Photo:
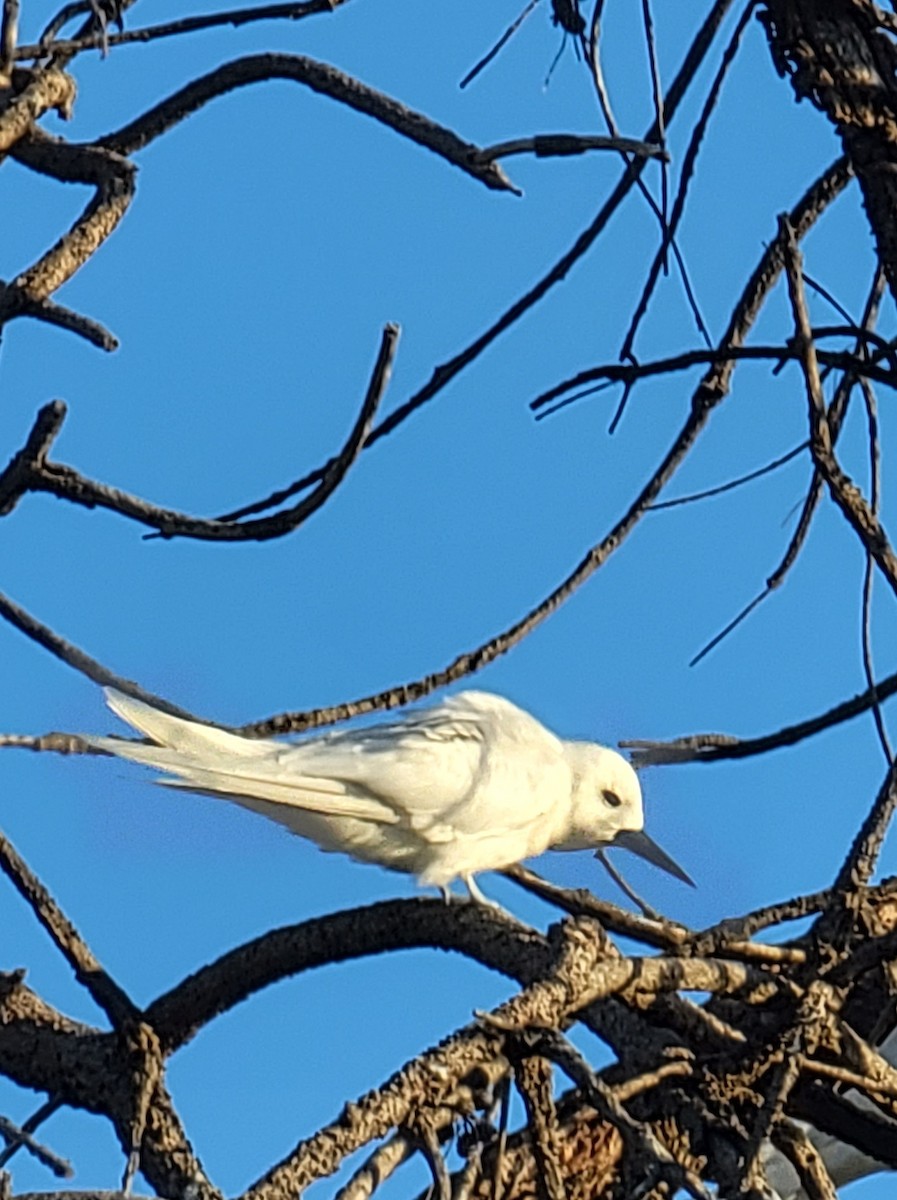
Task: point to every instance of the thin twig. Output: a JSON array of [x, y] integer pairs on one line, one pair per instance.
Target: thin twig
[[547, 403], [265, 528], [554, 145], [649, 913], [54, 743], [721, 488], [658, 932], [150, 33], [686, 174], [869, 569], [591, 53], [499, 45], [837, 412], [37, 1118], [717, 747], [844, 492], [18, 1137], [659, 118]]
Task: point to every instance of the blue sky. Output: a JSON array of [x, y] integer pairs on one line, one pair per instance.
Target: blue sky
[[271, 238]]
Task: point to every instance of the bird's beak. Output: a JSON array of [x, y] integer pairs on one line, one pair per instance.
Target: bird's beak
[[638, 842]]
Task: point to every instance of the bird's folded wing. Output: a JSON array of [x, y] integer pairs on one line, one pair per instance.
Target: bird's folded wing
[[412, 772], [254, 778], [205, 758], [419, 771], [311, 795]]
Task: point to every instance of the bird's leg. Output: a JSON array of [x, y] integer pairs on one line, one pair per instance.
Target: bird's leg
[[473, 891], [449, 897], [477, 895]]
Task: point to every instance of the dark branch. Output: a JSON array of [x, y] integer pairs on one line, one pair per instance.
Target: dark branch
[[321, 78], [150, 33]]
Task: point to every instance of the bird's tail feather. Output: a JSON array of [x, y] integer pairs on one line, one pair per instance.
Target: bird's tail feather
[[186, 737], [207, 759]]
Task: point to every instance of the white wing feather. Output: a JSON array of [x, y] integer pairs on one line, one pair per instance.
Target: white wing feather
[[215, 761]]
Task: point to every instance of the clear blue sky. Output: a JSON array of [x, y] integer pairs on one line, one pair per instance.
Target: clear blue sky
[[272, 236]]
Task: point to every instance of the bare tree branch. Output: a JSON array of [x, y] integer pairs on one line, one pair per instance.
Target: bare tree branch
[[322, 78], [235, 17]]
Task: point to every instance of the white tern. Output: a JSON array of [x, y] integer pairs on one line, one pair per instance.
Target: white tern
[[471, 784]]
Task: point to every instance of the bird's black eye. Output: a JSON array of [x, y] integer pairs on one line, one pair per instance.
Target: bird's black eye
[[611, 798]]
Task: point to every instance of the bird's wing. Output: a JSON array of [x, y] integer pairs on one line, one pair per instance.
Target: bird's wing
[[420, 767], [474, 765], [207, 759]]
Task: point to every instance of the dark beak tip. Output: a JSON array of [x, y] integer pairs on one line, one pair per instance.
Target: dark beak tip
[[638, 842]]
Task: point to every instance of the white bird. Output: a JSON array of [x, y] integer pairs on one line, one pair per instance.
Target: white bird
[[472, 784]]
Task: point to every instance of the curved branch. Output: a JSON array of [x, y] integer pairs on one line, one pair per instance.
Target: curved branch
[[860, 515], [490, 937], [836, 414], [113, 179], [30, 471], [322, 78], [337, 468], [111, 176]]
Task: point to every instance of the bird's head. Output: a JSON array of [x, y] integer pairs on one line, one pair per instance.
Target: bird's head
[[606, 807]]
